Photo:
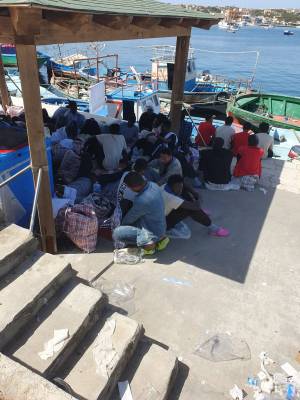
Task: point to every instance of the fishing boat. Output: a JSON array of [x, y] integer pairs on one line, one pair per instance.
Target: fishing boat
[[223, 25], [233, 28], [288, 33], [17, 196], [198, 88], [9, 57], [277, 110]]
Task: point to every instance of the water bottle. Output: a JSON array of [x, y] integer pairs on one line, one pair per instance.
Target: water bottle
[[97, 187]]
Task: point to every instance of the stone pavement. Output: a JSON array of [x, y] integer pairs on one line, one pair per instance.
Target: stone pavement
[[245, 285]]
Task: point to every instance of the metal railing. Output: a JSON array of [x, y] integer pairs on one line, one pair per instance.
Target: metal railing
[[36, 191]]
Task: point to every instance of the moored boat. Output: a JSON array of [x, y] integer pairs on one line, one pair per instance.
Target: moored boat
[[9, 57], [288, 33], [277, 110]]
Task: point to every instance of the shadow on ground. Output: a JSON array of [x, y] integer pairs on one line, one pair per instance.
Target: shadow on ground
[[244, 214]]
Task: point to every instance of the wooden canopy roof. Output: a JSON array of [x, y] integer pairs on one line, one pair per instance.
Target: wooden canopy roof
[[43, 22]]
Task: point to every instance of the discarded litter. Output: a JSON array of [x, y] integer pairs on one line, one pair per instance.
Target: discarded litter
[[180, 231], [120, 294], [104, 353], [223, 347], [124, 391], [55, 344], [273, 385], [177, 282], [117, 291], [263, 190], [129, 256], [236, 393]]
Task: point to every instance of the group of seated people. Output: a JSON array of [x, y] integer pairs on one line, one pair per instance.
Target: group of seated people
[[220, 146], [150, 172], [151, 168]]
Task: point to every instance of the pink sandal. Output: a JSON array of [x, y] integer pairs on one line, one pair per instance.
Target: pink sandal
[[221, 232]]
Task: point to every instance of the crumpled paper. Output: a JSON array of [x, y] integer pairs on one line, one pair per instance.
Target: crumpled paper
[[104, 353], [55, 344]]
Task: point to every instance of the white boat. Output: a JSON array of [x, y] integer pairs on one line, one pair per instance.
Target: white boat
[[223, 25], [233, 28]]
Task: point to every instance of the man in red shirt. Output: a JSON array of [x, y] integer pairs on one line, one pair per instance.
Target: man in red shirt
[[248, 167], [241, 139], [206, 132]]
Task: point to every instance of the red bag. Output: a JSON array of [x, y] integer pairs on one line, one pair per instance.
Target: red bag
[[81, 226]]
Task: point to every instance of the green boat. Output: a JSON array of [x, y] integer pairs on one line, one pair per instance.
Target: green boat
[[9, 57], [277, 110]]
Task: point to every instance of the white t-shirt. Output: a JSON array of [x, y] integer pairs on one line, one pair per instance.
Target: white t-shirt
[[113, 146], [225, 132], [172, 202], [265, 142]]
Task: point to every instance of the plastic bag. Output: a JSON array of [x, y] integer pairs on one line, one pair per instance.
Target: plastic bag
[[129, 256], [120, 294], [180, 231], [223, 347]]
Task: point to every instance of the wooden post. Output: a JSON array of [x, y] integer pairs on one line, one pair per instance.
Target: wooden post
[[4, 93], [29, 73], [181, 58]]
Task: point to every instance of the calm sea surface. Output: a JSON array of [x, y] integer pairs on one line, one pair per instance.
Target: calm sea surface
[[278, 69]]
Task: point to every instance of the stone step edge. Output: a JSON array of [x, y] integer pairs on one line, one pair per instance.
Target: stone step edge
[[20, 383], [31, 309]]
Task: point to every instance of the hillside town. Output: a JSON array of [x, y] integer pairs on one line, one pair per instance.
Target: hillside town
[[252, 17]]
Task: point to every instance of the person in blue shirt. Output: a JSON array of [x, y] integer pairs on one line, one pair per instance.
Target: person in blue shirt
[[69, 114], [144, 225], [130, 131]]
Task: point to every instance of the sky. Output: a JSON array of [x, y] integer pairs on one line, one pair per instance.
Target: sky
[[244, 3]]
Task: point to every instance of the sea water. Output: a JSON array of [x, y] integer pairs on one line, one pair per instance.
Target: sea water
[[277, 70]]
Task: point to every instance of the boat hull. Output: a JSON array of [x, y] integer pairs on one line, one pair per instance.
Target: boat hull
[[10, 60], [277, 110]]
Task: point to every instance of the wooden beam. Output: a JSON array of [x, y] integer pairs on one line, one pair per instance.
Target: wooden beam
[[190, 22], [52, 33], [206, 24], [7, 34], [145, 22], [4, 93], [29, 74], [26, 21], [70, 21], [112, 21], [170, 22], [181, 58]]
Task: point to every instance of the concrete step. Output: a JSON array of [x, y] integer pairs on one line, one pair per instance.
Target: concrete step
[[94, 373], [77, 311], [19, 383], [25, 296], [151, 373], [16, 244]]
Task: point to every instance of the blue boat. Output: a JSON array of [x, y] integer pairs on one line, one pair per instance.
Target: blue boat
[[9, 56], [205, 89], [17, 196], [288, 33], [63, 102]]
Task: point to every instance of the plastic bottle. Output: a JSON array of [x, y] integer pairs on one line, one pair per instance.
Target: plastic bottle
[[97, 187]]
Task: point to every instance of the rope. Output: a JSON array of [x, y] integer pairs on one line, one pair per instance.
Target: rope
[[227, 52], [237, 52]]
